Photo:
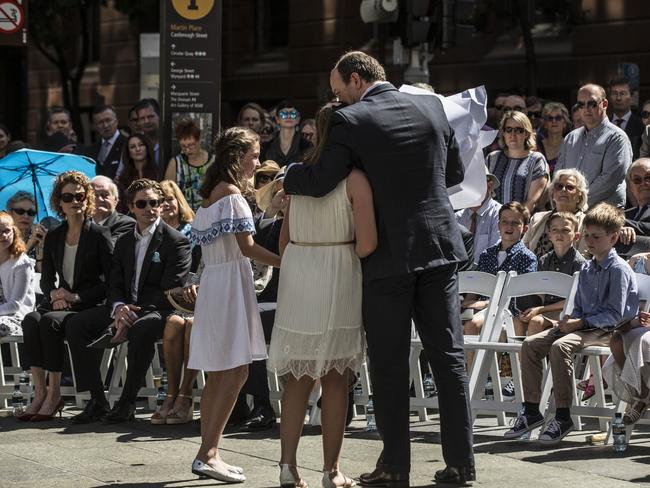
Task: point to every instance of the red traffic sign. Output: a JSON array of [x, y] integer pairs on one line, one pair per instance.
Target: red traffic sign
[[12, 17]]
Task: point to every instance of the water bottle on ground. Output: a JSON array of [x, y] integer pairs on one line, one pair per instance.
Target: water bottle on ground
[[489, 389], [371, 425], [618, 434], [17, 401], [429, 386], [26, 387]]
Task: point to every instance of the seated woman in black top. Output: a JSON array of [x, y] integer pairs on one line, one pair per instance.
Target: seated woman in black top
[[78, 252]]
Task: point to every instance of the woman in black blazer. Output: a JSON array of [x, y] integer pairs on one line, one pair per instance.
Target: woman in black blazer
[[78, 253]]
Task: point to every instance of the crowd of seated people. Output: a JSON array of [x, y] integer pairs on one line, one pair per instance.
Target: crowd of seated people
[[554, 202]]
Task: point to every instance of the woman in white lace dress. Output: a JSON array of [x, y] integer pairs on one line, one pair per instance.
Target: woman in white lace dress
[[318, 332], [227, 332]]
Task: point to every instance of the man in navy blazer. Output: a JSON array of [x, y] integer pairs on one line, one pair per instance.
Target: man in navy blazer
[[407, 149]]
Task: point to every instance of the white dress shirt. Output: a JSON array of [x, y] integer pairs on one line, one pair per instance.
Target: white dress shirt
[[141, 244]]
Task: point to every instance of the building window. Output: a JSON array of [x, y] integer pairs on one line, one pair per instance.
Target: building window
[[271, 25]]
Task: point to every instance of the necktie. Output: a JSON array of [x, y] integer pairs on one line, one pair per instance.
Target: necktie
[[103, 152], [619, 122], [472, 224]]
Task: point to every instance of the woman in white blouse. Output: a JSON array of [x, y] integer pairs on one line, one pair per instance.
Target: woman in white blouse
[[16, 278]]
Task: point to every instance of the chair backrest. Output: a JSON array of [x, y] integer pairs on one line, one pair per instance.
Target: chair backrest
[[484, 284], [643, 284], [537, 283]]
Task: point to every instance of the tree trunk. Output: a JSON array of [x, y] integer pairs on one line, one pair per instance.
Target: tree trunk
[[529, 46]]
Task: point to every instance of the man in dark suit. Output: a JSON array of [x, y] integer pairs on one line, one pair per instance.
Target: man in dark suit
[[107, 151], [146, 262], [106, 198], [408, 151], [635, 235], [620, 97]]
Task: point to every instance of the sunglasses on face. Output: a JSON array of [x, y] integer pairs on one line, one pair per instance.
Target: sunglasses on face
[[288, 114], [591, 104], [143, 203], [69, 197], [516, 130], [645, 114], [640, 181], [22, 211], [553, 118], [560, 187]]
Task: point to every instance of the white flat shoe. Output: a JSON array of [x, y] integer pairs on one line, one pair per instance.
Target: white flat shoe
[[200, 468]]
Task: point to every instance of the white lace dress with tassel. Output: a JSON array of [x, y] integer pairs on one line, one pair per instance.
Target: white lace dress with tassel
[[318, 323]]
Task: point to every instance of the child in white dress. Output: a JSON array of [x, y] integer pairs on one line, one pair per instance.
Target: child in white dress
[[227, 333]]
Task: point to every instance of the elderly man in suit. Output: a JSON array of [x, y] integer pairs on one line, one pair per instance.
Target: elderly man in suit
[[408, 151], [106, 198], [146, 261], [635, 236], [107, 151]]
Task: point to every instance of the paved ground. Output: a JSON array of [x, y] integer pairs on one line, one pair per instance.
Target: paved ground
[[141, 455]]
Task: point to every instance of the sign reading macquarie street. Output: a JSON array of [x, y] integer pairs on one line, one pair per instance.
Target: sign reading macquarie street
[[190, 68]]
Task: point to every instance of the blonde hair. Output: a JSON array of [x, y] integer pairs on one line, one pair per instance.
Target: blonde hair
[[185, 213], [18, 246], [73, 178], [523, 120]]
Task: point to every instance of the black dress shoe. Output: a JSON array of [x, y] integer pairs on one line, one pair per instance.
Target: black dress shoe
[[93, 412], [261, 418], [123, 411], [381, 478], [461, 476]]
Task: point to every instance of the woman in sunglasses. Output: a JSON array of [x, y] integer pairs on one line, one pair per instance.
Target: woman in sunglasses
[[22, 208], [77, 254], [137, 162], [287, 146], [522, 171], [555, 125], [568, 192]]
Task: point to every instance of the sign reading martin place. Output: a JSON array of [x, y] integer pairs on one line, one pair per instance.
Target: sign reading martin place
[[190, 69]]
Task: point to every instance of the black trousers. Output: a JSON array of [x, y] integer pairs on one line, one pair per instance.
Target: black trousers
[[431, 298], [257, 383], [43, 335], [142, 336]]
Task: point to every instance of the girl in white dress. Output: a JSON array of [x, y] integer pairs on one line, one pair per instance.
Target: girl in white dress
[[227, 333], [318, 331]]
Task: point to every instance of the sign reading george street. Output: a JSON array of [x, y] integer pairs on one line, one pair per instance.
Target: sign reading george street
[[190, 68], [13, 30]]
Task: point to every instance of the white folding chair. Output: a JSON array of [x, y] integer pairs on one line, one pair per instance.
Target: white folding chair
[[537, 283]]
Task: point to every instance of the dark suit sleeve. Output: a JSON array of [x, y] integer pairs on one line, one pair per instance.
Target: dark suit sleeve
[[177, 263], [334, 165], [641, 227], [102, 239], [48, 270], [122, 225], [455, 172], [468, 242], [116, 289]]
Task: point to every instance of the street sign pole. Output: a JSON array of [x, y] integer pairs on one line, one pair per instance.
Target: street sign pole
[[190, 69]]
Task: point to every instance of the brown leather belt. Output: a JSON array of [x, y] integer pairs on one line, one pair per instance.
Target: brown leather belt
[[320, 244]]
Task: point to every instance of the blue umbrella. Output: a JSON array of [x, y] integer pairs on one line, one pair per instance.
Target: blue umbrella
[[34, 171]]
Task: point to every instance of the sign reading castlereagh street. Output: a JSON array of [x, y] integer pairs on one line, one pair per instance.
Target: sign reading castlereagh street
[[190, 70]]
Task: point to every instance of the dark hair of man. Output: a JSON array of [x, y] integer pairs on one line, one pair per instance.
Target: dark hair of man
[[187, 128], [58, 110], [130, 172], [620, 81], [147, 102], [143, 184], [517, 208], [367, 67], [98, 109], [230, 147]]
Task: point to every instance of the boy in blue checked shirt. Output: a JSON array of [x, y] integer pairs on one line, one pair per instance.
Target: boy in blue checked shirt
[[607, 292], [509, 254]]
